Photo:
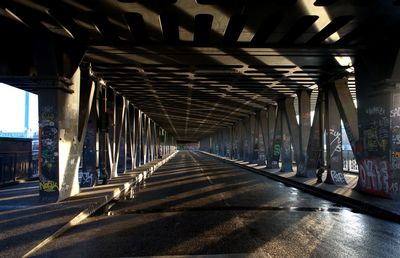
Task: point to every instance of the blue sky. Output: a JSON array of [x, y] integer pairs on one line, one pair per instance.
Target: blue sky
[[12, 108]]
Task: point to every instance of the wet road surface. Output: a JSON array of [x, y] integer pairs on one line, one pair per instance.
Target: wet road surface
[[198, 205]]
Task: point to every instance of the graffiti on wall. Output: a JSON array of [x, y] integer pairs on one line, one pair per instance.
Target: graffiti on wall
[[277, 150], [48, 150], [395, 145], [47, 185], [380, 111], [395, 112], [379, 152], [338, 178], [374, 176], [336, 142], [86, 179], [376, 132]]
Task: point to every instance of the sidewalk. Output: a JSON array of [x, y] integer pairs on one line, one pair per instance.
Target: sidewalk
[[26, 224], [344, 195]]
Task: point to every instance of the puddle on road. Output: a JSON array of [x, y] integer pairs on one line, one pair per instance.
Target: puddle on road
[[228, 208]]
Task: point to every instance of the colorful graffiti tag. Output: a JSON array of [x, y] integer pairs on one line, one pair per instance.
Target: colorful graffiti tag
[[48, 186], [374, 176], [48, 152]]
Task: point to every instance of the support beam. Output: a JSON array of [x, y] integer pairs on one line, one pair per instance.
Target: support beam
[[277, 142], [333, 129], [347, 110], [293, 127], [253, 139], [303, 97], [272, 118], [307, 168], [88, 175], [264, 135], [103, 131], [286, 148]]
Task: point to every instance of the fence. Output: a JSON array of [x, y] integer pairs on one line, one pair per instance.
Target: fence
[[17, 165]]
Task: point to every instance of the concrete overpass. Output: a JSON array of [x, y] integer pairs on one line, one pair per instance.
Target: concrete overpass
[[134, 77]]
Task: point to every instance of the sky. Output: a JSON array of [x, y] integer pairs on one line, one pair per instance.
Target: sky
[[12, 109]]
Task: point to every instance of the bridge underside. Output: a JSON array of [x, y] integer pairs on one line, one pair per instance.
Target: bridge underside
[[231, 74]]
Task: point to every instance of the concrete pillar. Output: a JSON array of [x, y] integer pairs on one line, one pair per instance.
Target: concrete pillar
[[286, 147], [277, 140], [272, 118], [248, 148], [253, 139], [241, 140], [264, 135], [231, 140], [303, 97], [334, 160], [378, 149], [59, 150], [307, 168], [293, 127]]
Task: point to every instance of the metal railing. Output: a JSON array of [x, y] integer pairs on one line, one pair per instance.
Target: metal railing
[[18, 165]]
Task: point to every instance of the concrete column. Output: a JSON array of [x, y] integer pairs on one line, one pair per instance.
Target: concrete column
[[378, 149], [277, 140], [293, 127], [303, 97], [231, 140], [247, 139], [272, 118], [286, 147], [241, 140], [257, 140], [59, 148], [307, 168], [253, 139], [334, 160], [264, 135]]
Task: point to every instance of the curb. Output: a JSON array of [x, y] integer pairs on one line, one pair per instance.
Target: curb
[[93, 207], [356, 205]]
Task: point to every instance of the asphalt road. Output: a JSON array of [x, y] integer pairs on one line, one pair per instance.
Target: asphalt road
[[198, 205]]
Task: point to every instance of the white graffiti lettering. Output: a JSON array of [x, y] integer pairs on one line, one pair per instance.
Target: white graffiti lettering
[[336, 142], [86, 178], [395, 112], [338, 178]]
